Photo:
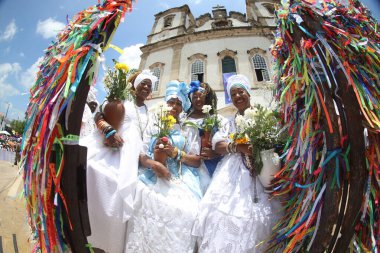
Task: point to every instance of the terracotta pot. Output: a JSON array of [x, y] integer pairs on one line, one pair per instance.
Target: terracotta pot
[[271, 165], [206, 140], [160, 156], [114, 113]]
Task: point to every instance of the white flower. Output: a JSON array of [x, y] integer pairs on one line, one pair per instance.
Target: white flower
[[206, 108], [166, 108], [250, 113], [240, 122], [250, 122]]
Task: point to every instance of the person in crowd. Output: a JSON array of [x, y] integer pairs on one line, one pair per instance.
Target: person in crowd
[[112, 169], [235, 215], [167, 194], [202, 94]]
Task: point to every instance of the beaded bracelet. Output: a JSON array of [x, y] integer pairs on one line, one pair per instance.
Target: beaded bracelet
[[231, 148], [183, 153], [109, 134], [179, 156], [174, 154]]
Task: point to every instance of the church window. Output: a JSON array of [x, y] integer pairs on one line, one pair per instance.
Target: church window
[[261, 69], [228, 65], [156, 72], [269, 7], [197, 71], [168, 21]]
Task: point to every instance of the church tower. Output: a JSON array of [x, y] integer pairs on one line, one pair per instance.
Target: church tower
[[261, 12]]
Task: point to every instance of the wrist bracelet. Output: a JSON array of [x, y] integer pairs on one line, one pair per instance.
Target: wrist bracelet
[[179, 156], [174, 154], [183, 153], [234, 146], [110, 133]]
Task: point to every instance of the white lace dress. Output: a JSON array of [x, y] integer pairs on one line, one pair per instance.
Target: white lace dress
[[165, 209], [112, 175], [228, 219]]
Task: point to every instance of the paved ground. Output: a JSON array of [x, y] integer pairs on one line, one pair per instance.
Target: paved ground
[[14, 230]]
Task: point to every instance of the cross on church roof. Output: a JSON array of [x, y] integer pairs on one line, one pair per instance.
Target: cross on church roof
[[218, 7]]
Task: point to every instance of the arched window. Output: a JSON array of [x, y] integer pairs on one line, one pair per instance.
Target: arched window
[[269, 7], [228, 65], [260, 68], [197, 71], [156, 72], [168, 21]]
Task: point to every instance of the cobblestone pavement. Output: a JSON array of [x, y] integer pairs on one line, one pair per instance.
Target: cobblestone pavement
[[14, 229]]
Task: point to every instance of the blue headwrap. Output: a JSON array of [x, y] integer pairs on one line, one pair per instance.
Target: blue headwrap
[[195, 86], [175, 89]]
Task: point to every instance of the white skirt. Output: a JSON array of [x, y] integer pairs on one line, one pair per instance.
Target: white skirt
[[111, 185], [229, 220], [163, 218]]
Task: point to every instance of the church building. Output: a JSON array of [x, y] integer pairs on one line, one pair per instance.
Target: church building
[[212, 47]]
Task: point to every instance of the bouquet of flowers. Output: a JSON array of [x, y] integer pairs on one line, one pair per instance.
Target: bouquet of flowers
[[258, 127], [164, 122], [115, 82], [210, 125]]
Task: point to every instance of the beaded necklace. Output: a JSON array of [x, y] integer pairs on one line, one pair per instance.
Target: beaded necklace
[[139, 120]]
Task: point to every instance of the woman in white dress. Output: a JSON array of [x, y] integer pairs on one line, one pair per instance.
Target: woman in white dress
[[202, 94], [235, 215], [112, 169], [167, 197]]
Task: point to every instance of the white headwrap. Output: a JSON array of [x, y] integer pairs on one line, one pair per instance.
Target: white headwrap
[[145, 74], [91, 97], [240, 81]]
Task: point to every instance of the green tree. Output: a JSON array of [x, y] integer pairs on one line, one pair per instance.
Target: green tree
[[18, 126]]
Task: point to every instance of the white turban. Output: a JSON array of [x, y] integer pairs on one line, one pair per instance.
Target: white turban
[[91, 97], [238, 81], [145, 74]]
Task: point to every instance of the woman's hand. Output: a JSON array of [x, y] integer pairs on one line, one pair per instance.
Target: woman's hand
[[161, 170], [170, 150], [114, 141], [244, 148], [208, 154], [166, 147]]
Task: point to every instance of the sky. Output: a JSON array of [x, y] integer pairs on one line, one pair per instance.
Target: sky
[[27, 28]]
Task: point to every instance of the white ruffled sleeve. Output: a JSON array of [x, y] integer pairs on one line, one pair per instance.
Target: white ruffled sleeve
[[227, 127]]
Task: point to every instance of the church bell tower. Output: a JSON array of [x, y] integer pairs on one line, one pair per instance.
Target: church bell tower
[[261, 12]]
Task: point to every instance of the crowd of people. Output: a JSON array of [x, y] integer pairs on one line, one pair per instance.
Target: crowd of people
[[10, 148], [200, 199]]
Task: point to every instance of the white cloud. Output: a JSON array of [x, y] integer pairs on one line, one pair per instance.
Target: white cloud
[[10, 31], [49, 28], [131, 56], [28, 77], [7, 69]]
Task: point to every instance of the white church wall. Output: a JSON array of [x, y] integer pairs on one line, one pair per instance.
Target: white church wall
[[164, 56], [161, 33], [213, 65], [187, 21], [205, 27], [238, 23]]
